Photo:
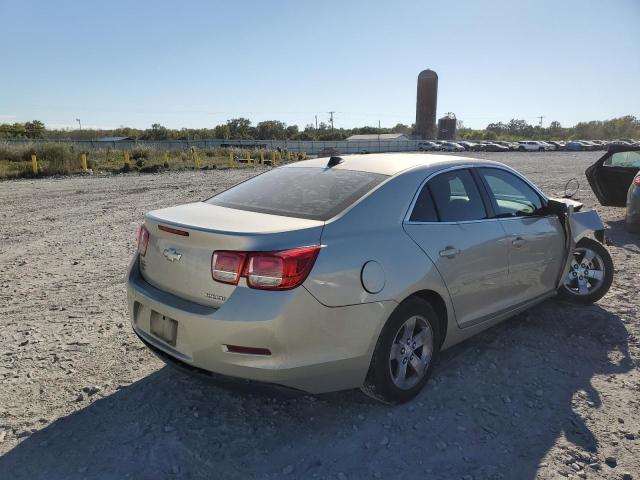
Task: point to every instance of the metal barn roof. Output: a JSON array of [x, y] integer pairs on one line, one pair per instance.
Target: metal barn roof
[[382, 136]]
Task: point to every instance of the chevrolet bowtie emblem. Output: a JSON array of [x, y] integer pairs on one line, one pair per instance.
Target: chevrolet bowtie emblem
[[171, 254]]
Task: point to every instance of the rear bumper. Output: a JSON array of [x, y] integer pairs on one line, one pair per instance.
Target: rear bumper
[[314, 348], [231, 383]]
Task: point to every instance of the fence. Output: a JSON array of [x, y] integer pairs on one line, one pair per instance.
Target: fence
[[309, 147]]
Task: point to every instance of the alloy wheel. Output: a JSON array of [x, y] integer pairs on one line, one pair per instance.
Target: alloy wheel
[[587, 272], [411, 352]]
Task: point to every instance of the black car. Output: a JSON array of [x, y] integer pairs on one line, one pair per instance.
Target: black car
[[614, 180], [495, 147]]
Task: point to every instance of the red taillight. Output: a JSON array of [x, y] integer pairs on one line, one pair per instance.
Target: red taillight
[[265, 270], [636, 181], [279, 270], [142, 240], [227, 266]]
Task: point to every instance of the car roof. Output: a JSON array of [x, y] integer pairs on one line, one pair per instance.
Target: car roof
[[393, 163]]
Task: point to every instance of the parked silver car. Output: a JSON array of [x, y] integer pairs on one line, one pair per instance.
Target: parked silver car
[[337, 273]]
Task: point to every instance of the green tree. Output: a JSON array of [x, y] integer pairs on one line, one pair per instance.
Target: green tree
[[239, 128], [222, 131], [156, 132], [519, 128], [292, 130], [305, 135], [401, 128], [271, 130], [489, 135], [499, 128], [34, 129]]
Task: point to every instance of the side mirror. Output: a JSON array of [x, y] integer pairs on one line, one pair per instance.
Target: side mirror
[[559, 208]]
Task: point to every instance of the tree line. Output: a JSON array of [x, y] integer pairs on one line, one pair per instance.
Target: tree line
[[242, 128]]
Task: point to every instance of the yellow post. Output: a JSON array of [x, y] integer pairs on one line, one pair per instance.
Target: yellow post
[[289, 154], [278, 157], [83, 162], [231, 162], [165, 159], [247, 155], [273, 157], [127, 162], [34, 164], [261, 157], [196, 159]]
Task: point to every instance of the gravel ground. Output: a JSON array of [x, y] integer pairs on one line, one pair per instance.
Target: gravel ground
[[551, 393]]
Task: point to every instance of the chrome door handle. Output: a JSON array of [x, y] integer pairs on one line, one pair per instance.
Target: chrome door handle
[[449, 252], [519, 242]]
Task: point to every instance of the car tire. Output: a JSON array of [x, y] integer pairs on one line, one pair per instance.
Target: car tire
[[541, 149], [384, 382], [600, 261], [521, 149]]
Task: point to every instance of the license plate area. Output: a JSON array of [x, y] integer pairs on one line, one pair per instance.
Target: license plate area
[[164, 328]]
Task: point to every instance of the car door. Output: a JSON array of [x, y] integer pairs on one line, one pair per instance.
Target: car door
[[450, 222], [536, 239], [611, 176]]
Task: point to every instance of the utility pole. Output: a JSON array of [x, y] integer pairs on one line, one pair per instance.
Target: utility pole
[[331, 119], [540, 117], [316, 123], [378, 136], [79, 124]]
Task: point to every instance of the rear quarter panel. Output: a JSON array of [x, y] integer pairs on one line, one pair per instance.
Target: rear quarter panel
[[372, 230]]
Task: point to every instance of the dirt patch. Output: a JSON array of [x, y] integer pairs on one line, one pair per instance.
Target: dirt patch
[[554, 392]]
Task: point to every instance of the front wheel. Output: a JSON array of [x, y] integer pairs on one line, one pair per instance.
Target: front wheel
[[590, 275], [404, 355]]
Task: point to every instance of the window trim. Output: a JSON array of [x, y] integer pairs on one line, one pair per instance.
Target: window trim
[[472, 167]]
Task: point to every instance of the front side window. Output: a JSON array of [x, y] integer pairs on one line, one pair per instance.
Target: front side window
[[302, 192], [624, 159], [456, 197], [510, 195]]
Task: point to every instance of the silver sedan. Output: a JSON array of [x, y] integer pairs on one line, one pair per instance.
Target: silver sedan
[[338, 273]]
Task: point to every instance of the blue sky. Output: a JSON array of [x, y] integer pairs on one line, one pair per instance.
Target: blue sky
[[198, 63]]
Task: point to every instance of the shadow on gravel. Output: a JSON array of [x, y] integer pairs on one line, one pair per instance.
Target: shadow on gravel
[[494, 407], [618, 236]]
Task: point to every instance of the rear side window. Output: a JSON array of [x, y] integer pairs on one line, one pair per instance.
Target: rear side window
[[424, 210], [456, 197], [301, 192]]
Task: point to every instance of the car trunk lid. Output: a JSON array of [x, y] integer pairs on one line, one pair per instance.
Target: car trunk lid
[[182, 240]]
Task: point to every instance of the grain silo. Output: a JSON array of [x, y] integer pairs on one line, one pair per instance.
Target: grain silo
[[447, 127], [426, 103]]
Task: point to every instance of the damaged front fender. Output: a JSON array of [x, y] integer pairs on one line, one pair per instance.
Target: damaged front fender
[[582, 223], [577, 225]]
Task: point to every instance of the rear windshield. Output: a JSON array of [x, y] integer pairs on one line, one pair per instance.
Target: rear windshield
[[302, 192]]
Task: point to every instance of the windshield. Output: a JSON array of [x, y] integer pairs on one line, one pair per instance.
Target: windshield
[[302, 192]]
